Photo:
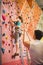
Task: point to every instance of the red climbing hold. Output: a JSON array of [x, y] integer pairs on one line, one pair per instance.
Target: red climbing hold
[[5, 25], [3, 42], [4, 17]]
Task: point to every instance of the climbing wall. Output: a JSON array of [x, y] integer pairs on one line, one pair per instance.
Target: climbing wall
[[14, 8]]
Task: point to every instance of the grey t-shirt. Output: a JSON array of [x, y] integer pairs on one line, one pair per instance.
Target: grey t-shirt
[[36, 52]]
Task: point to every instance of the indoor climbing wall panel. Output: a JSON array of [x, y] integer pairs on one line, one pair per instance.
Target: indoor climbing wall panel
[[31, 16], [14, 8]]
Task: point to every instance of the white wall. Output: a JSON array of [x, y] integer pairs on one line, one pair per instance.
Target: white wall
[[40, 2]]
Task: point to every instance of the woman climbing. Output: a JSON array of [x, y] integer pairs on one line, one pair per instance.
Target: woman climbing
[[17, 24]]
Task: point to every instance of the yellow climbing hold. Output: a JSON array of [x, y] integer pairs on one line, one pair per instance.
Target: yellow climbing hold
[[6, 14], [6, 37], [12, 0]]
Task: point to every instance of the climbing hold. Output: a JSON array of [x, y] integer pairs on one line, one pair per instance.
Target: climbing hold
[[9, 51], [12, 0], [20, 56], [3, 11], [3, 34], [28, 17], [17, 23], [6, 14], [3, 42], [41, 39], [11, 5], [11, 31], [13, 46], [3, 50], [6, 37], [6, 44], [9, 16], [3, 3], [11, 12], [12, 36], [5, 25], [8, 22], [3, 22], [3, 17], [9, 44]]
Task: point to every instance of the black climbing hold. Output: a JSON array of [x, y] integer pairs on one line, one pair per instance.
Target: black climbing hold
[[3, 22], [28, 17], [10, 16], [8, 44], [3, 3], [13, 45], [9, 51], [11, 12], [20, 56], [11, 31], [3, 34], [11, 5], [8, 13]]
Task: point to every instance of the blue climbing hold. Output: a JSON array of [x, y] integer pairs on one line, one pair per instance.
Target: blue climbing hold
[[3, 50], [3, 11], [3, 22], [17, 23]]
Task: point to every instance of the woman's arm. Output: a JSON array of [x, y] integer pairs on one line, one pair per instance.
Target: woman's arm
[[11, 22], [30, 41]]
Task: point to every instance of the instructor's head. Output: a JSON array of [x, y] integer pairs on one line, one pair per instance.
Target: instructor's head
[[38, 34]]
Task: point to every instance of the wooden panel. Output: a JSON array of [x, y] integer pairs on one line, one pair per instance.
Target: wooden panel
[[30, 2]]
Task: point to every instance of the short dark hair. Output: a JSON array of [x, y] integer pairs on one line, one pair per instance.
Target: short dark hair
[[38, 34], [20, 18]]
